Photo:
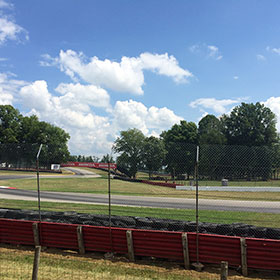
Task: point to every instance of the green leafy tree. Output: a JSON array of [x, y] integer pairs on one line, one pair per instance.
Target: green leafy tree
[[55, 149], [10, 120], [180, 143], [210, 131], [107, 158], [130, 146], [153, 154], [253, 128], [250, 125], [20, 138], [72, 158], [210, 137]]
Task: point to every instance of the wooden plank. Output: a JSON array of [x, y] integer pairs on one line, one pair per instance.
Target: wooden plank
[[186, 250], [130, 248], [36, 263], [224, 270], [36, 235], [80, 237], [243, 247]]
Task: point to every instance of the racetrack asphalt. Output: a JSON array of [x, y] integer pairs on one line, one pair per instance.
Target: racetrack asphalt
[[143, 201]]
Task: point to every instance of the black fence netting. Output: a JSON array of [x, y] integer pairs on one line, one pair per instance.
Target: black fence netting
[[20, 156], [239, 163], [238, 188]]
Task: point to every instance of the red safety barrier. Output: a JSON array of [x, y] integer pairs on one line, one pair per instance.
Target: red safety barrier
[[161, 244], [215, 248], [170, 185], [59, 235], [16, 232], [261, 253], [105, 240], [89, 164]]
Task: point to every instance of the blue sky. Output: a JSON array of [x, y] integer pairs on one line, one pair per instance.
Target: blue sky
[[95, 68]]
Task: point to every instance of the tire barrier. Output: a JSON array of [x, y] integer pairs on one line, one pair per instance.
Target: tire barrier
[[169, 185], [179, 246], [235, 229]]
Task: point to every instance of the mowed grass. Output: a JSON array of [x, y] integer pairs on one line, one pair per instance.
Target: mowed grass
[[17, 263], [33, 173], [225, 217], [118, 187]]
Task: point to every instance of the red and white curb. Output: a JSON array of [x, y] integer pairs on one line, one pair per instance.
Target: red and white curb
[[5, 187]]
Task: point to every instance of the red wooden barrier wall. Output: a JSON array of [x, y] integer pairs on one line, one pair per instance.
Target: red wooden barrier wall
[[261, 253]]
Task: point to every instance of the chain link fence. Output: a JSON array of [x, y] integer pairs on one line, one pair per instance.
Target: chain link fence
[[215, 189], [23, 157], [238, 189]]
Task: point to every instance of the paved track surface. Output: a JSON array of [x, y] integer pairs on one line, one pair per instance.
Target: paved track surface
[[235, 189], [77, 173], [82, 173], [11, 177], [158, 202]]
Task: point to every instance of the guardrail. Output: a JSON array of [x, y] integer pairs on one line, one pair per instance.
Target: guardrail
[[89, 164], [244, 252], [155, 183]]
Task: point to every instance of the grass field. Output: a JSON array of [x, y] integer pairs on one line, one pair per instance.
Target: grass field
[[100, 185], [118, 187], [226, 217], [33, 173], [17, 263]]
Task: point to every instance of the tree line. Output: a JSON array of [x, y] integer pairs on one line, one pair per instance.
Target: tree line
[[80, 158], [21, 136], [241, 145]]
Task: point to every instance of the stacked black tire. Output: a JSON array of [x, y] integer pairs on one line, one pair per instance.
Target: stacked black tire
[[235, 229]]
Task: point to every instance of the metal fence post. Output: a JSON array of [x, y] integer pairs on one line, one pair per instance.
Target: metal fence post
[[197, 265], [109, 208], [38, 181]]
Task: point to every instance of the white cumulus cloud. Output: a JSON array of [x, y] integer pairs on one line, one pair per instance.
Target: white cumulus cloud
[[133, 114], [37, 96], [166, 65], [9, 87], [73, 108], [83, 96], [9, 30], [214, 52], [261, 57], [124, 76], [88, 131], [218, 106], [5, 4], [209, 51], [273, 50], [274, 104]]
